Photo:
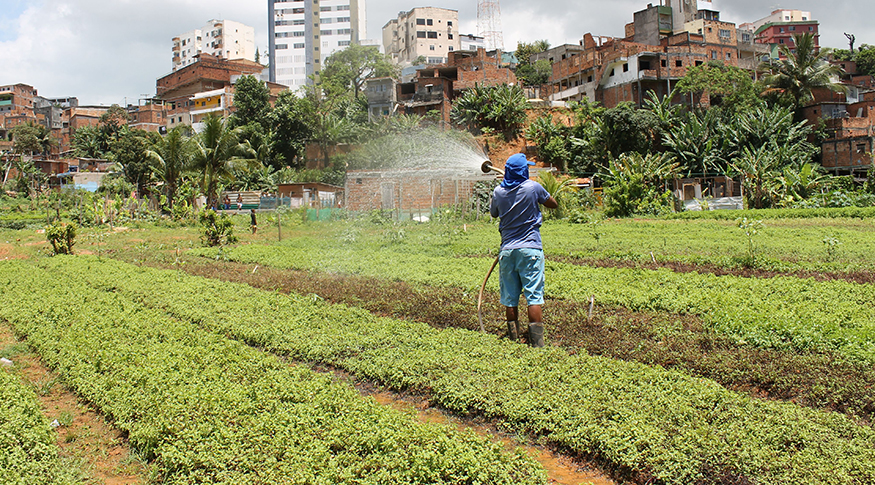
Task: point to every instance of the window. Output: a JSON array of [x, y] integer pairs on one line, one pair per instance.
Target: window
[[298, 46], [612, 72], [644, 66], [781, 29], [804, 18], [589, 79], [326, 32], [343, 43], [780, 41], [432, 35], [861, 148], [297, 10], [324, 9], [326, 20], [450, 48], [713, 54], [342, 7], [343, 31], [450, 36], [429, 22], [282, 46], [420, 35], [625, 67], [449, 23], [420, 21], [663, 63], [343, 19], [298, 34], [678, 63], [431, 47], [299, 22], [811, 29], [728, 56], [724, 33], [699, 63], [792, 28]]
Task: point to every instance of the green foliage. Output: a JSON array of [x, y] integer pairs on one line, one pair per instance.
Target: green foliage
[[562, 189], [801, 71], [501, 107], [128, 151], [206, 409], [525, 50], [552, 138], [729, 87], [750, 228], [28, 453], [217, 152], [291, 122], [115, 186], [218, 229], [655, 423], [169, 157], [62, 236], [534, 74], [32, 138], [635, 184], [346, 71], [865, 59], [251, 102]]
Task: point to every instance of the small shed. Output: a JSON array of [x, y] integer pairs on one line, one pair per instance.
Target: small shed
[[313, 194]]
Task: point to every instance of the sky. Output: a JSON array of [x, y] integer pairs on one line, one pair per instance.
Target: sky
[[112, 51]]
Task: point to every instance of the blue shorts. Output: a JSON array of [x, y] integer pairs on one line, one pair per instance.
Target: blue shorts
[[522, 271]]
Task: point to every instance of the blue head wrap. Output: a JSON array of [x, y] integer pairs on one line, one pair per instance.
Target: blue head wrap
[[516, 171]]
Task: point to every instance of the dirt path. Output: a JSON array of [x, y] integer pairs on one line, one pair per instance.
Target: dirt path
[[84, 435]]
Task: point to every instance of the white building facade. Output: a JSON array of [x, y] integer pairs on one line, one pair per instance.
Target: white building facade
[[429, 32], [304, 33], [225, 39]]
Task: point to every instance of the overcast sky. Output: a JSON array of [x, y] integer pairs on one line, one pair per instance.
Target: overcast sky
[[112, 51]]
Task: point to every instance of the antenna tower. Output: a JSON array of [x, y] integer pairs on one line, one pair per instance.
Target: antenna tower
[[489, 24]]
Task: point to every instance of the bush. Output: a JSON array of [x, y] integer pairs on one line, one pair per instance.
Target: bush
[[218, 230], [62, 236]]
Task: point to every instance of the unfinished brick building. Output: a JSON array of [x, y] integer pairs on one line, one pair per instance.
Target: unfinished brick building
[[435, 87], [653, 56]]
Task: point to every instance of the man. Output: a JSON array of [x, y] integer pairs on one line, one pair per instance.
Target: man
[[521, 260]]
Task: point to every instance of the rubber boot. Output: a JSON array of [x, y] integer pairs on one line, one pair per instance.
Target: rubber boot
[[536, 334], [513, 330]]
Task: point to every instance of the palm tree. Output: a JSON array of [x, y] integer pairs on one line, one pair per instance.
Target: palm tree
[[802, 71], [217, 153], [169, 157]]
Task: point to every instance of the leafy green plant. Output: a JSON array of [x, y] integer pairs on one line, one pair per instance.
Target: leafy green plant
[[831, 243], [750, 228], [218, 229], [62, 236]]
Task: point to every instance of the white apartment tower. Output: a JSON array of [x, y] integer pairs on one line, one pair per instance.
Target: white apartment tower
[[429, 32], [303, 33], [224, 39]]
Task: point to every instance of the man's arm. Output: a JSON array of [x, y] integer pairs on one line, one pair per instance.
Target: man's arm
[[493, 207], [550, 203]]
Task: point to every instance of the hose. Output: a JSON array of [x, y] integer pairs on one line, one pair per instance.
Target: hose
[[480, 298]]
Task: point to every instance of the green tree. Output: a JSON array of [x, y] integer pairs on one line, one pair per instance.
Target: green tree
[[345, 72], [865, 59], [169, 157], [128, 152], [31, 138], [800, 72], [726, 86], [217, 152], [291, 120], [636, 184], [525, 50], [251, 102]]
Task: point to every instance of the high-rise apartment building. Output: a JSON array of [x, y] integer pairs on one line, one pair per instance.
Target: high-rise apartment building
[[429, 32], [224, 39], [779, 28], [303, 33]]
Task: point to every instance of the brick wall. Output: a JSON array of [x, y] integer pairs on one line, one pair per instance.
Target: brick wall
[[856, 152], [407, 192]]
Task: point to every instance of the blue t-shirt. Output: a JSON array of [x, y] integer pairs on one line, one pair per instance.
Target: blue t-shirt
[[520, 214]]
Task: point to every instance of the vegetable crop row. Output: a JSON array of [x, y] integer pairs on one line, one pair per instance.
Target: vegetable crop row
[[652, 422], [211, 410], [824, 212], [28, 453], [782, 312]]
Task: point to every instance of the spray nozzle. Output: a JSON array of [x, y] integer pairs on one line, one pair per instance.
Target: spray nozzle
[[487, 167]]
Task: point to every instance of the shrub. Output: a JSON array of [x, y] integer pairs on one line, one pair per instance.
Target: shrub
[[218, 229], [62, 236]]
